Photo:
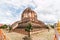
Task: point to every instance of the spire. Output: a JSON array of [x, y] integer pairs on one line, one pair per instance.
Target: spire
[[28, 8]]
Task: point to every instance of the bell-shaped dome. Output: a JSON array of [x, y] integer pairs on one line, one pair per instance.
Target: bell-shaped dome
[[29, 14]]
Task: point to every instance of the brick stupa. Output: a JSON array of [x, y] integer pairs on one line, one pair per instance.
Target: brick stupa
[[28, 15]]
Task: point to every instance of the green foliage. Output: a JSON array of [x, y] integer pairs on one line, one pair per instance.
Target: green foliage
[[28, 28], [52, 26], [10, 28], [4, 26]]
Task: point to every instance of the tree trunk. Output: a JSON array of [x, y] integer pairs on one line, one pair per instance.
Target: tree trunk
[[28, 34]]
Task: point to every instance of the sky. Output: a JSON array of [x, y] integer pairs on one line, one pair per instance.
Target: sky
[[48, 11]]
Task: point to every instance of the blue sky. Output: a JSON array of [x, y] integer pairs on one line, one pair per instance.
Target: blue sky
[[48, 11]]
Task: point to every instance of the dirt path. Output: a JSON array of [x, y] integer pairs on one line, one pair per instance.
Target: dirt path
[[45, 35]]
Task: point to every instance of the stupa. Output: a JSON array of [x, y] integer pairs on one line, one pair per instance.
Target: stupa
[[28, 15]]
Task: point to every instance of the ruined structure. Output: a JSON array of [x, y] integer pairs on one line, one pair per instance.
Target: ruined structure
[[28, 16]]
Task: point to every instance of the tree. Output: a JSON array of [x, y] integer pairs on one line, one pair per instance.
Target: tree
[[4, 26], [28, 29], [10, 28], [47, 27], [52, 26]]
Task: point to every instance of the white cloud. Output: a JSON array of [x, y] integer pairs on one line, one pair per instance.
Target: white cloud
[[47, 17], [47, 10]]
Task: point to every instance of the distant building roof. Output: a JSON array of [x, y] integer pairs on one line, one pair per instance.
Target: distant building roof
[[1, 25]]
